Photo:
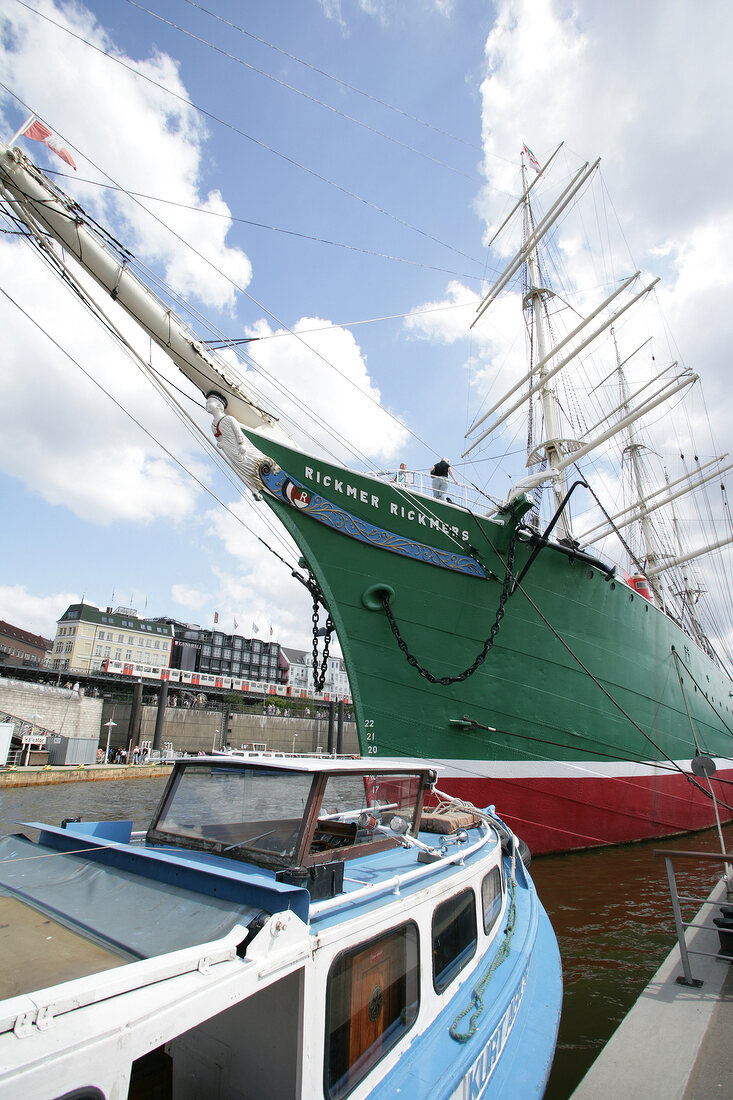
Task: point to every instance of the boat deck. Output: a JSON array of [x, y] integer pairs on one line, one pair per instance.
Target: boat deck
[[675, 1043]]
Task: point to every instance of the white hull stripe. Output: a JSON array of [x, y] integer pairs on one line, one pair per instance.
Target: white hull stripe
[[560, 769]]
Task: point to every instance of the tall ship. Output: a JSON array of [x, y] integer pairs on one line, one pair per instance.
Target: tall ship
[[546, 647]]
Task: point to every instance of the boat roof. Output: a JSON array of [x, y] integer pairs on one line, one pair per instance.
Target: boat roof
[[317, 764]]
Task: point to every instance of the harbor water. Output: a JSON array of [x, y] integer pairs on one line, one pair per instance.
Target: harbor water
[[610, 909]]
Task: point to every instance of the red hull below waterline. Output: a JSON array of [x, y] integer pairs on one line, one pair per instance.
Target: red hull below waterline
[[562, 814]]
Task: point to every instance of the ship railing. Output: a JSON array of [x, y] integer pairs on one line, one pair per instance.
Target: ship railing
[[704, 918], [421, 483]]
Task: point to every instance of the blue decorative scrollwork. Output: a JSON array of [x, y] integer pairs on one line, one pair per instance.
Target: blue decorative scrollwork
[[324, 511]]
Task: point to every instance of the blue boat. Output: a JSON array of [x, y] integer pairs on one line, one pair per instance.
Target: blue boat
[[305, 928]]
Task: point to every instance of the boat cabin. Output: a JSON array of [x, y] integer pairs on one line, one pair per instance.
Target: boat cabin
[[289, 927], [294, 816]]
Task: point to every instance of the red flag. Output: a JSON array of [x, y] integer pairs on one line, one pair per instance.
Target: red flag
[[216, 617], [532, 159], [38, 132]]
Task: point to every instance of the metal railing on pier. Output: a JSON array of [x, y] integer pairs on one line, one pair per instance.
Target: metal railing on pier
[[723, 925]]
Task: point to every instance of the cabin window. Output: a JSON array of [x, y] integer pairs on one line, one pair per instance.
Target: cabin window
[[358, 809], [454, 937], [372, 1000], [491, 898]]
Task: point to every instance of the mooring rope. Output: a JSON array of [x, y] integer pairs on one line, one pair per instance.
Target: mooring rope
[[476, 1005]]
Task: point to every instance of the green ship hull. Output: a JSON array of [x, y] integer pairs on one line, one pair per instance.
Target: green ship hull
[[576, 723]]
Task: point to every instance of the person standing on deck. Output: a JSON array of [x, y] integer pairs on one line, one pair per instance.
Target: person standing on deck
[[440, 473]]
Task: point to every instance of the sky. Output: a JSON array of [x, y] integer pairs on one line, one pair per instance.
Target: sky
[[333, 169]]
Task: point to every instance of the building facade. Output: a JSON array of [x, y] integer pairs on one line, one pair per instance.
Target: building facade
[[335, 684], [231, 655], [86, 636], [21, 649]]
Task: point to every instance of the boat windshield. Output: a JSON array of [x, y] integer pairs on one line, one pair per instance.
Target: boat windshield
[[261, 813], [235, 809]]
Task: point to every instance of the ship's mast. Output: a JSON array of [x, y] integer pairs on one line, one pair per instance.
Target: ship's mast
[[535, 301], [633, 449], [687, 595]]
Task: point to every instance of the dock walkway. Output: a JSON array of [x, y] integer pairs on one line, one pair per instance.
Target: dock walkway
[[79, 773], [675, 1044]]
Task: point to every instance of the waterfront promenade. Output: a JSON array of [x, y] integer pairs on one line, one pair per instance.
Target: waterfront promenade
[[41, 776]]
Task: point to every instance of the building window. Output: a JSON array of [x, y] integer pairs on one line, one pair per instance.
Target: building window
[[372, 1000], [491, 898], [68, 647], [454, 937], [98, 651], [118, 655]]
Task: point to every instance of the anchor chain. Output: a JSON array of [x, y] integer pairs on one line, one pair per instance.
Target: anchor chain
[[319, 674], [488, 644]]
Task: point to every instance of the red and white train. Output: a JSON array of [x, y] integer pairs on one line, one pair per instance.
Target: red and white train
[[205, 680]]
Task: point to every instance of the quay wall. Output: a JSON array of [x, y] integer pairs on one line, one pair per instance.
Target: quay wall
[[42, 776], [56, 709], [195, 730]]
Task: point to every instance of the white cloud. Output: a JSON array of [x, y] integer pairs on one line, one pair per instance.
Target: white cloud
[[257, 586], [319, 382], [192, 599], [28, 611], [382, 11], [63, 438], [648, 89], [144, 140]]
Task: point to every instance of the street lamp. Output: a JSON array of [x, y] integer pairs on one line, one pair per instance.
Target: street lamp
[[109, 726], [295, 737], [213, 743]]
